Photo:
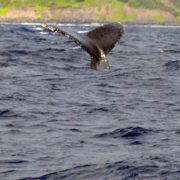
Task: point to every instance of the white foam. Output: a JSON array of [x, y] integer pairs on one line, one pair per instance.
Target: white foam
[[24, 23], [43, 33], [82, 32], [76, 47], [160, 50], [38, 28], [95, 24], [156, 26]]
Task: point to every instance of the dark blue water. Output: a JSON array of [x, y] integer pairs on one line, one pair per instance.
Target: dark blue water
[[61, 120]]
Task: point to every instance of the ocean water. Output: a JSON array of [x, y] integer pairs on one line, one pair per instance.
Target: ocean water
[[61, 120]]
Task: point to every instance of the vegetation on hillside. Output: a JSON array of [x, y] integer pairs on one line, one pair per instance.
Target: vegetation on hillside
[[102, 10], [152, 4]]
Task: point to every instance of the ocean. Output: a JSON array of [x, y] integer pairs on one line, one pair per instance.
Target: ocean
[[62, 120]]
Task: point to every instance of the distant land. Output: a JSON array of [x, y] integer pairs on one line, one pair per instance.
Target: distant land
[[127, 11]]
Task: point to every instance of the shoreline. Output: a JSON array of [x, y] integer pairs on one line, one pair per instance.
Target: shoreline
[[94, 23]]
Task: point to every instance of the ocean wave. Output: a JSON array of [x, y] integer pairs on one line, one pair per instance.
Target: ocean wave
[[7, 113], [58, 115], [172, 65], [117, 170], [129, 132]]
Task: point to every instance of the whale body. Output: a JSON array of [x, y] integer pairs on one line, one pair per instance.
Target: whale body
[[97, 42]]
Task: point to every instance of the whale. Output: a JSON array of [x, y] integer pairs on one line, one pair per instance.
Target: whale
[[97, 42]]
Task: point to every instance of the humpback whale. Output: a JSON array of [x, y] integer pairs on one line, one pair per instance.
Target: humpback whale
[[97, 42]]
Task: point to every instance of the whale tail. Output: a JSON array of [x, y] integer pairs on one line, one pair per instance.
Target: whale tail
[[98, 42]]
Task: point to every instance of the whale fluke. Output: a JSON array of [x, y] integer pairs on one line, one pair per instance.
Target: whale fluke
[[97, 42]]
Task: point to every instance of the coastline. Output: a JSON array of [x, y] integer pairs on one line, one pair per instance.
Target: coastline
[[96, 22], [142, 25]]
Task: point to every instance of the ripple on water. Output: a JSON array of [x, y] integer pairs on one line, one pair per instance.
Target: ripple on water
[[172, 65], [129, 133], [58, 115], [7, 113], [113, 171]]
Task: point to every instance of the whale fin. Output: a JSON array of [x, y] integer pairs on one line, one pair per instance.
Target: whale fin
[[80, 39], [97, 42], [106, 36]]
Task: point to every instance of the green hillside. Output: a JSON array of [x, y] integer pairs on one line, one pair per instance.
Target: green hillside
[[91, 10]]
